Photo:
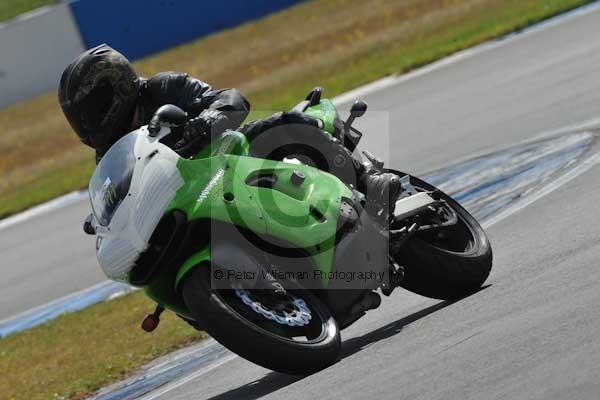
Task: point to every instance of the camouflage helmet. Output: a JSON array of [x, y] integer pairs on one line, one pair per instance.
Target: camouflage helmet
[[98, 92]]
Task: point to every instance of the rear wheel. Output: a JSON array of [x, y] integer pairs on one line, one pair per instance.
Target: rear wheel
[[293, 333], [447, 262]]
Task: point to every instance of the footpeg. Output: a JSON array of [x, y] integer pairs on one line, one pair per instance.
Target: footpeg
[[377, 163], [151, 321]]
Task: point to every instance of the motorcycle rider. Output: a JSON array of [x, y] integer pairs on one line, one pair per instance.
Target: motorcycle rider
[[103, 99]]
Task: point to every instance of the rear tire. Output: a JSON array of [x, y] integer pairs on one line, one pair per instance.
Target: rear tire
[[270, 350], [440, 273]]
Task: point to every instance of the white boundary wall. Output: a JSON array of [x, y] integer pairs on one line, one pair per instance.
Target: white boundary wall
[[34, 49]]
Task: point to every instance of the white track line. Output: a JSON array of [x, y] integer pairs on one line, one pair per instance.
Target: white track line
[[393, 80], [579, 169], [53, 302], [44, 208], [180, 382], [587, 125]]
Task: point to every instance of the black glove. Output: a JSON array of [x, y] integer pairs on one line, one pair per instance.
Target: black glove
[[198, 131], [167, 115]]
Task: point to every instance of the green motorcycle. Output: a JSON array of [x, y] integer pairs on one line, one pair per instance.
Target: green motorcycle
[[272, 257]]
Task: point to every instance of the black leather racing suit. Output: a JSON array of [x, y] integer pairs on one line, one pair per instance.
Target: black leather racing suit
[[190, 94]]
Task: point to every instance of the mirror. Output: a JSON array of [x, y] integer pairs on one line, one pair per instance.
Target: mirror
[[358, 109], [88, 227], [171, 115]]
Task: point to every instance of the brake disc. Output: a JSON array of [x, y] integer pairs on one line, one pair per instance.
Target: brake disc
[[299, 316]]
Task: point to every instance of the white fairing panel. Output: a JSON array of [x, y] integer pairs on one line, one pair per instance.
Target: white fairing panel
[[158, 185], [154, 184]]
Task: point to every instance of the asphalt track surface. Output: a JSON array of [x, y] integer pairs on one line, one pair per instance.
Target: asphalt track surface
[[531, 334], [46, 257]]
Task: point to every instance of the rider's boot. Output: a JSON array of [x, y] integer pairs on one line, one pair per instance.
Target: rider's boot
[[381, 191]]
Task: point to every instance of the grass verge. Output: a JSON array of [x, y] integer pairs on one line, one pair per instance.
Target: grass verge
[[11, 8], [77, 353], [338, 44]]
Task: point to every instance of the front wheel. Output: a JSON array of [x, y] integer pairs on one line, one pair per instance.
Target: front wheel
[[449, 262], [293, 333]]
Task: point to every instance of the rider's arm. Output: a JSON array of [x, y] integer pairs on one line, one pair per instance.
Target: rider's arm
[[211, 112], [194, 96]]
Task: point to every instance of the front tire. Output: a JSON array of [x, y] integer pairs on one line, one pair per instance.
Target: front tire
[[446, 270], [237, 327]]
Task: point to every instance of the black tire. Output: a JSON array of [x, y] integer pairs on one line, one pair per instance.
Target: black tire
[[441, 273], [251, 341]]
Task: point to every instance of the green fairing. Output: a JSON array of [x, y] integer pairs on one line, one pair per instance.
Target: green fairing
[[215, 189], [230, 142], [202, 256], [326, 112], [163, 292]]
